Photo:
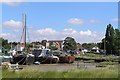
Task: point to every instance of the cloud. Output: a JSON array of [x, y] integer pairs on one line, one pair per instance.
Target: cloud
[[115, 19], [16, 30], [86, 33], [93, 21], [4, 34], [52, 34], [12, 23], [80, 36], [69, 32], [75, 21], [11, 2], [46, 32], [10, 36]]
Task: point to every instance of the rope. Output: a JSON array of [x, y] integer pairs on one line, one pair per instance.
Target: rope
[[28, 35], [24, 61], [22, 34], [20, 60]]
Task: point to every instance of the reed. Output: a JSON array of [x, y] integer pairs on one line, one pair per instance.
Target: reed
[[106, 72]]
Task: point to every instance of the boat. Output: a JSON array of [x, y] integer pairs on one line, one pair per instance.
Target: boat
[[67, 59], [19, 58], [50, 58], [64, 57], [44, 56], [19, 53], [5, 56]]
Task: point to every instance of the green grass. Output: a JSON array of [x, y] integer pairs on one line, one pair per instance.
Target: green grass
[[109, 63], [106, 72], [89, 61], [92, 56]]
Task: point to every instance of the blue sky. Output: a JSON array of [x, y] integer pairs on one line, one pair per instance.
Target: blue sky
[[84, 21]]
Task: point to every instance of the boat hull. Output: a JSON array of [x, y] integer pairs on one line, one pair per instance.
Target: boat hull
[[66, 59], [47, 60], [20, 59]]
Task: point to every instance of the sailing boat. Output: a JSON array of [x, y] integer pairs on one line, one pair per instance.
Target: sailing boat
[[19, 55]]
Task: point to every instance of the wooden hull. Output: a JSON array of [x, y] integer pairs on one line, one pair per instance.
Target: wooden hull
[[20, 59], [46, 60]]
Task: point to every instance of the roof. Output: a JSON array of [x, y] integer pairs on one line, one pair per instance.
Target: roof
[[95, 47]]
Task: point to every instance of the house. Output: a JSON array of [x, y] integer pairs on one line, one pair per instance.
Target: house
[[83, 50], [95, 49], [20, 46], [45, 44], [39, 45], [56, 43]]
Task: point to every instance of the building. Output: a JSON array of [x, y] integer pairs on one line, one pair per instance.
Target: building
[[20, 46], [95, 49], [39, 45], [57, 43], [45, 44]]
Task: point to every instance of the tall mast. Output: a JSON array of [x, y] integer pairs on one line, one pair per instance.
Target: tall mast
[[25, 31], [24, 28], [104, 44]]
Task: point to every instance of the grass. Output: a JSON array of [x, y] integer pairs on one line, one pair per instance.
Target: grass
[[92, 56], [106, 72], [109, 63], [89, 61]]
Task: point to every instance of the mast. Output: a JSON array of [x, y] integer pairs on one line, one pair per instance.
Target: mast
[[24, 29], [104, 44]]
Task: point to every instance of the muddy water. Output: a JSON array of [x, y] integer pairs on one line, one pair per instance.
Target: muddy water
[[50, 67]]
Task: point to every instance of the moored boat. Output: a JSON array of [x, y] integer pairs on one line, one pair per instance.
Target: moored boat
[[44, 56], [64, 57]]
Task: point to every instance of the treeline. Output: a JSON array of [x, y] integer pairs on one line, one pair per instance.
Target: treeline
[[7, 45], [4, 43]]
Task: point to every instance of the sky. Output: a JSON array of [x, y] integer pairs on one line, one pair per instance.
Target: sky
[[86, 22]]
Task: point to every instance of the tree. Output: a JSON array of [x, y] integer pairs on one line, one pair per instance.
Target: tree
[[109, 39], [79, 45], [89, 45], [112, 41], [102, 44], [44, 42], [5, 43], [12, 44], [69, 44], [117, 42], [28, 46]]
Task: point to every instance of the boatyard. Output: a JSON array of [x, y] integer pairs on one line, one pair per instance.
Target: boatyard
[[47, 40]]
